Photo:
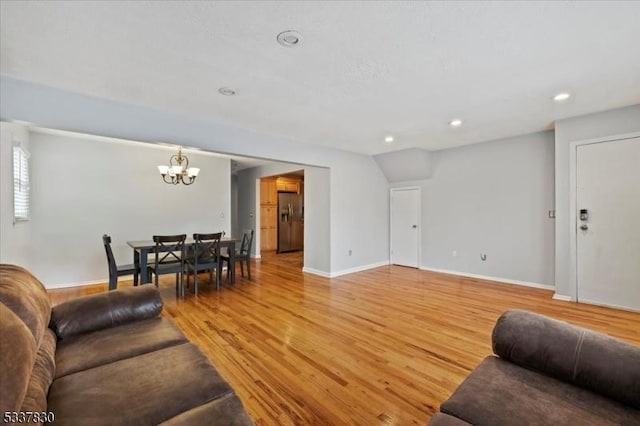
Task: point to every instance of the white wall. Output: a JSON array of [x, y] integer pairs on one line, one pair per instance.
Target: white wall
[[358, 190], [317, 252], [491, 198], [14, 237], [359, 214], [405, 165], [609, 123], [84, 187]]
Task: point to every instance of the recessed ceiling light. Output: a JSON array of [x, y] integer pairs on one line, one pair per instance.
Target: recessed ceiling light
[[289, 38], [561, 97], [226, 91], [388, 139], [455, 123]]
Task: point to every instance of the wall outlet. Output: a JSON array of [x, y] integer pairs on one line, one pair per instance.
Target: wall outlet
[[483, 257], [552, 214], [349, 252], [454, 253]]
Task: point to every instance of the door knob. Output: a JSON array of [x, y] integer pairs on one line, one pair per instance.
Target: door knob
[[414, 226], [584, 227]]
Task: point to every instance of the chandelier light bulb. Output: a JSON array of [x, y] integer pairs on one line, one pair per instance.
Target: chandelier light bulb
[[178, 170]]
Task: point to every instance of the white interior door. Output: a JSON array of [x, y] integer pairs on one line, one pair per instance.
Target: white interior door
[[608, 237], [405, 221]]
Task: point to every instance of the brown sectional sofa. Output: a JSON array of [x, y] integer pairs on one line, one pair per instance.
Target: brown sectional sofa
[[103, 359], [548, 372]]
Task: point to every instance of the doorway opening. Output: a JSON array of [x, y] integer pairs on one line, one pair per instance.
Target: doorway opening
[[282, 218]]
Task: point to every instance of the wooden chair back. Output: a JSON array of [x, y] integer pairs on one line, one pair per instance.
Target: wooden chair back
[[169, 249], [207, 247], [247, 242], [111, 261]]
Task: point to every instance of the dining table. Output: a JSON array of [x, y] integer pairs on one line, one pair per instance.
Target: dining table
[[142, 249]]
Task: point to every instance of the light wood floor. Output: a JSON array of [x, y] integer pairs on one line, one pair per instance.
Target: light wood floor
[[384, 346]]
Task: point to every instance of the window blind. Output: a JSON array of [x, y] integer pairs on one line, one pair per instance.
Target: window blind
[[20, 184]]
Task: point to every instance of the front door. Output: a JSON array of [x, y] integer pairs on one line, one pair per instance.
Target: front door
[[405, 220], [608, 223]]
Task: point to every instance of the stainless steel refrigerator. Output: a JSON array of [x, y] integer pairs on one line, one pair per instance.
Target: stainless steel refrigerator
[[290, 222]]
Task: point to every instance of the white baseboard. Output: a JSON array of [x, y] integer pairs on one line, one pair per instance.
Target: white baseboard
[[316, 272], [345, 271], [359, 268], [563, 298], [326, 274], [622, 308], [486, 277], [84, 283]]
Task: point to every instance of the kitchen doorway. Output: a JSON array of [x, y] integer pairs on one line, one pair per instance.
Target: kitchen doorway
[[282, 218]]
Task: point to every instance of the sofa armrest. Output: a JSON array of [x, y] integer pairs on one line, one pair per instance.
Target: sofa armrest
[[105, 310], [573, 354]]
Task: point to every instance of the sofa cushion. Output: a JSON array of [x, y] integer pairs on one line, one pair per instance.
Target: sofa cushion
[[442, 419], [101, 347], [592, 360], [146, 389], [501, 393], [42, 375], [25, 295], [228, 408], [17, 355], [99, 311]]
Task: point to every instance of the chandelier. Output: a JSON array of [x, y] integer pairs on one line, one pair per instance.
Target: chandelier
[[178, 170]]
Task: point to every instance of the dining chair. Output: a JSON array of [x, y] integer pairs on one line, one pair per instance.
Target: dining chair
[[242, 255], [116, 271], [169, 257], [205, 256]]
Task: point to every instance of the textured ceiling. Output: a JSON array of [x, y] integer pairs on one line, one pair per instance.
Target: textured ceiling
[[362, 71]]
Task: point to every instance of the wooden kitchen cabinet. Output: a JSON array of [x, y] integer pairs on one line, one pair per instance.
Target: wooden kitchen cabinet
[[268, 227], [268, 192], [288, 185], [268, 217]]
